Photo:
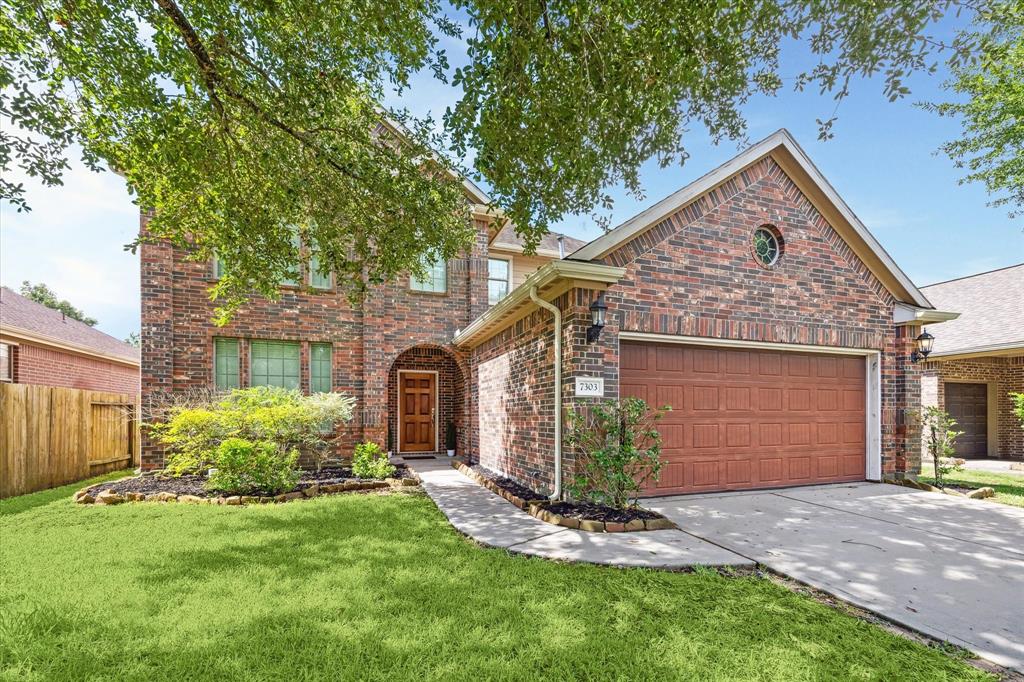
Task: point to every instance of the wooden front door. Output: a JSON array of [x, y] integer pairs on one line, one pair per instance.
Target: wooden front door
[[968, 405], [417, 415]]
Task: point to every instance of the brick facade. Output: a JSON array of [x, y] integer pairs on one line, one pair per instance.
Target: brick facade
[[178, 334], [33, 364], [1004, 375]]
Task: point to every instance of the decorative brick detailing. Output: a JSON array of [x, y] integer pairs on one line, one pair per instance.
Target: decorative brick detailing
[[52, 367], [1004, 374], [451, 388]]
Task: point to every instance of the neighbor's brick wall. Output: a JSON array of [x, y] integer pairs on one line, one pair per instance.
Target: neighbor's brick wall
[[178, 335], [51, 367], [693, 274], [1005, 373]]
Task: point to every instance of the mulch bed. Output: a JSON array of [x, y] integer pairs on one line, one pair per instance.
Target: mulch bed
[[582, 515], [156, 482]]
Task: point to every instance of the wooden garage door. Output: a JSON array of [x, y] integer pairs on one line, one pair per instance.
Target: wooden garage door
[[750, 418], [968, 405]]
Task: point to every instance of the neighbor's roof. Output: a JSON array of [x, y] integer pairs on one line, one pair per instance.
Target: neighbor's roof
[[991, 307], [25, 319], [784, 150], [508, 240]]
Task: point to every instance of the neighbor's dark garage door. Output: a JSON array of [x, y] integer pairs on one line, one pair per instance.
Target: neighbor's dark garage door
[[750, 418], [968, 405]]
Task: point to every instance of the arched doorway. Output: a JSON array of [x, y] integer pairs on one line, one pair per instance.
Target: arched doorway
[[426, 393]]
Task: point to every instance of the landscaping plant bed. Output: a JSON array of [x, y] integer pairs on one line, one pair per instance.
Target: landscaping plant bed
[[156, 487], [581, 515]]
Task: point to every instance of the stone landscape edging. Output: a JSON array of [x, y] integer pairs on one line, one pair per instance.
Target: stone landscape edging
[[536, 509], [109, 497], [975, 494]]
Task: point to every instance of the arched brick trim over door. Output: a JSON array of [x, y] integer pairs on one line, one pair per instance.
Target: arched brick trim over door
[[452, 396]]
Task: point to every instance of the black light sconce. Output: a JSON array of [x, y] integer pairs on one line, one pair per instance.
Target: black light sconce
[[598, 309], [925, 341]]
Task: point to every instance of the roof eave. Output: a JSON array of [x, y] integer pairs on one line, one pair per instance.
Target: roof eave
[[24, 335], [550, 280]]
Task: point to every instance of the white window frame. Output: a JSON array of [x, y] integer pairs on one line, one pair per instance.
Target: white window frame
[[508, 280], [416, 284]]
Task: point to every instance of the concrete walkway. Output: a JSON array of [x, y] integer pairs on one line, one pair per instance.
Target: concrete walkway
[[949, 567], [1002, 466], [494, 522]]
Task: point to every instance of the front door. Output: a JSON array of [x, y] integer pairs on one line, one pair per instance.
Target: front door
[[968, 405], [417, 415]]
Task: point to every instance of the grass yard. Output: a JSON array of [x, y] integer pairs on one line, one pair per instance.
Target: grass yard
[[380, 587], [1009, 487]]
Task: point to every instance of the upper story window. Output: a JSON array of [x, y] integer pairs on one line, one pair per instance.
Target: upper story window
[[317, 278], [499, 277], [294, 277], [435, 280], [6, 363], [766, 246]]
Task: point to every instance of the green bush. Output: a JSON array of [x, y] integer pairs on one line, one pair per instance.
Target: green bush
[[1018, 406], [940, 440], [243, 467], [369, 461], [617, 451], [195, 428]]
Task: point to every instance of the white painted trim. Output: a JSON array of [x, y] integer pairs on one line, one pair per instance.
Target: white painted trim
[[741, 343], [903, 314], [507, 257], [437, 405], [779, 139], [873, 380], [996, 349]]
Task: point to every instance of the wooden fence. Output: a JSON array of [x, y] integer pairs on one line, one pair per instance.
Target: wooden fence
[[52, 436]]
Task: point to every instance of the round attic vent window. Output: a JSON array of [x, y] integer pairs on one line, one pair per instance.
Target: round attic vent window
[[766, 246]]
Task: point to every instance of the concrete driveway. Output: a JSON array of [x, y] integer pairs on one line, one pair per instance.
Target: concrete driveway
[[949, 567]]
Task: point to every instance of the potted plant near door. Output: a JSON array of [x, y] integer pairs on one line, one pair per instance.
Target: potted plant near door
[[449, 439]]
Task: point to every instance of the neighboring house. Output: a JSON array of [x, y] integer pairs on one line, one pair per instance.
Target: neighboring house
[[39, 345], [978, 360], [753, 301]]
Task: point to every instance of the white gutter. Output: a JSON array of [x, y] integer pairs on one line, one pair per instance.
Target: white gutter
[[557, 495]]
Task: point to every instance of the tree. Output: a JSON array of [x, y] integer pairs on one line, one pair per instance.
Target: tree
[[133, 340], [40, 293], [238, 122], [940, 437], [992, 108]]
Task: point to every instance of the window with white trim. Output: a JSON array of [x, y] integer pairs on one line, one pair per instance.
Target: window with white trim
[[6, 363], [499, 277]]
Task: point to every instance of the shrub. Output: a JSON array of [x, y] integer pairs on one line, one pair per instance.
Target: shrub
[[1018, 406], [617, 451], [450, 436], [369, 461], [244, 467], [940, 437], [194, 429]]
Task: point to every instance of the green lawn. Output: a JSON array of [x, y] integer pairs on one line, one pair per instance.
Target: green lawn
[[380, 587], [1009, 487]]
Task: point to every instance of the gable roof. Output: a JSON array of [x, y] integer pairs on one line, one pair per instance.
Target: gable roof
[[508, 240], [23, 318], [785, 151], [991, 307]]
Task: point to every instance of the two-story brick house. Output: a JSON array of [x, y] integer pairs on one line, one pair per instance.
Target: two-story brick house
[[753, 301]]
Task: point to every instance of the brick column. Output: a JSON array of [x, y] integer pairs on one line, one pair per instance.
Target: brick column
[[157, 338]]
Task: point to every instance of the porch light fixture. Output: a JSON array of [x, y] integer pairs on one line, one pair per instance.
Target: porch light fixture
[[597, 318], [924, 347]]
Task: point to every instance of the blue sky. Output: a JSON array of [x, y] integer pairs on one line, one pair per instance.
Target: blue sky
[[882, 160]]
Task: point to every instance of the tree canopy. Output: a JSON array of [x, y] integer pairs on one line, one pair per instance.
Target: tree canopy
[[237, 122], [40, 293]]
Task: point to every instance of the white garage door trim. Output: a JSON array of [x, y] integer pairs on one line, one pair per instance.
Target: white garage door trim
[[873, 379]]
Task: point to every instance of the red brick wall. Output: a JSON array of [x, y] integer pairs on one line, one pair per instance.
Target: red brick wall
[[451, 387], [51, 367], [178, 335], [1006, 374]]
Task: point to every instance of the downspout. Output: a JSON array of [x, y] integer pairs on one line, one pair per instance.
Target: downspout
[[557, 495]]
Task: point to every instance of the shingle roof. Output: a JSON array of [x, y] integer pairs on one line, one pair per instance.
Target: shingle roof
[[548, 242], [991, 307], [18, 313]]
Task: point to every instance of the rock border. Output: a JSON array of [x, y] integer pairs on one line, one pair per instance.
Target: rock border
[[976, 494], [536, 509], [109, 497]]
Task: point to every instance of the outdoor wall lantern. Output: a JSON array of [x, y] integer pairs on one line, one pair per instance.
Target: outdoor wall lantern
[[924, 347], [597, 318]]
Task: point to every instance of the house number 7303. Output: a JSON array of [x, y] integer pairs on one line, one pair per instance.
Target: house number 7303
[[590, 386]]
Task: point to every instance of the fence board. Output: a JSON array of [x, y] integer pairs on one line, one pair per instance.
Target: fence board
[[50, 436]]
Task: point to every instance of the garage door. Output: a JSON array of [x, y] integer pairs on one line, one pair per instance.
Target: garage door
[[750, 418], [968, 405]]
